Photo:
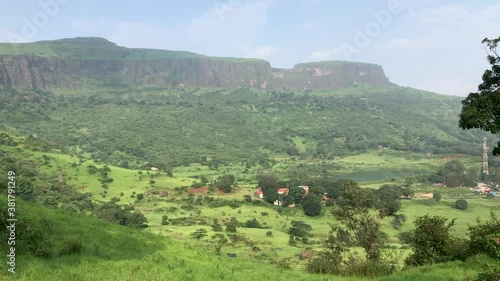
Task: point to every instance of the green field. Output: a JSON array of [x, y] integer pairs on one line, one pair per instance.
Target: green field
[[160, 241]]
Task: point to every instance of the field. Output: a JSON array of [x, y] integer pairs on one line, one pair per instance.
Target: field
[[256, 245]]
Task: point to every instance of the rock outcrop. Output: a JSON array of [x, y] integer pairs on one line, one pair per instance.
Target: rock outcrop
[[90, 62]]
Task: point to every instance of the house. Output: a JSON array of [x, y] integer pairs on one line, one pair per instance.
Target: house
[[260, 193], [154, 169], [277, 203], [282, 190]]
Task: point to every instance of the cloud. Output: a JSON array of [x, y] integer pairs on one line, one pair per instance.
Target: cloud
[[264, 52]]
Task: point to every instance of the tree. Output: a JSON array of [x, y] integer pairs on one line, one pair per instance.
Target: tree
[[269, 185], [481, 110], [296, 194], [431, 239], [312, 205], [454, 173], [225, 183], [199, 234], [299, 229], [389, 199], [461, 204]]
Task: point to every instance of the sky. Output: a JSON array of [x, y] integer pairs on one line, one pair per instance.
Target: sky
[[432, 45]]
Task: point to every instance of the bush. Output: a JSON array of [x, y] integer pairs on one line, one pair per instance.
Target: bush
[[461, 204], [437, 196], [491, 275], [299, 229], [330, 203], [484, 237], [431, 241], [269, 234], [253, 223]]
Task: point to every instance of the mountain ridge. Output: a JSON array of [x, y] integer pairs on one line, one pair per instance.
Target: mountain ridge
[[91, 61]]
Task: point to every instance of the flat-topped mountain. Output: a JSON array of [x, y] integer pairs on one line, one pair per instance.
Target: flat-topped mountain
[[88, 61]]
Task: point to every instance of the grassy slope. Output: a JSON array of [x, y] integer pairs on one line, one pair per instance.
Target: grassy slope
[[150, 260], [113, 252]]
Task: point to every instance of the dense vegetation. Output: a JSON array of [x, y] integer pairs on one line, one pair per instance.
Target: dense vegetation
[[167, 130]]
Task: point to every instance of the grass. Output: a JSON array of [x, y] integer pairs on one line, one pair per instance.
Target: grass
[[103, 259], [112, 252]]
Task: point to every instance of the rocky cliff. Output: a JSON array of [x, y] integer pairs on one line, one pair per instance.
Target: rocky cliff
[[83, 62]]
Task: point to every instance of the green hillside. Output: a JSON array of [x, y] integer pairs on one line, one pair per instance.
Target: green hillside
[[88, 249], [169, 128], [65, 241]]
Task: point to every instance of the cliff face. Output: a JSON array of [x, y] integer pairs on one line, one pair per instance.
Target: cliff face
[[141, 67]]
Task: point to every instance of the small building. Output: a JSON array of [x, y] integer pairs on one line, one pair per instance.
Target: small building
[[154, 169], [260, 193], [277, 203], [283, 190]]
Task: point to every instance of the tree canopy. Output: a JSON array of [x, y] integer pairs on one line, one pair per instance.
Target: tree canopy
[[481, 110]]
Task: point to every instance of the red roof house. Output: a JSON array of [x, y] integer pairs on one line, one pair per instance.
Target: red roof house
[[259, 193], [283, 190]]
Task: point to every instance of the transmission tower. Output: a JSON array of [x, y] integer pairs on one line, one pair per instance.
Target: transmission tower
[[485, 158]]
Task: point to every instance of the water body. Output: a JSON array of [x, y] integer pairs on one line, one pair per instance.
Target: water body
[[377, 174]]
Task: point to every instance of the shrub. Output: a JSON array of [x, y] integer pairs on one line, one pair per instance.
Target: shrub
[[253, 223], [491, 275], [431, 241], [484, 237], [398, 221], [330, 202], [299, 229], [437, 196], [461, 204], [269, 234]]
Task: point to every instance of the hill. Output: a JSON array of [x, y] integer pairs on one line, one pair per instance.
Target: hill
[[93, 62], [157, 127]]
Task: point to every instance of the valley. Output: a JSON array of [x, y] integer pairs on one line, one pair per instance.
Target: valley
[[126, 175]]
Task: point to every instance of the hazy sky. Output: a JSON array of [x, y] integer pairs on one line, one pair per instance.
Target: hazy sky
[[430, 45]]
